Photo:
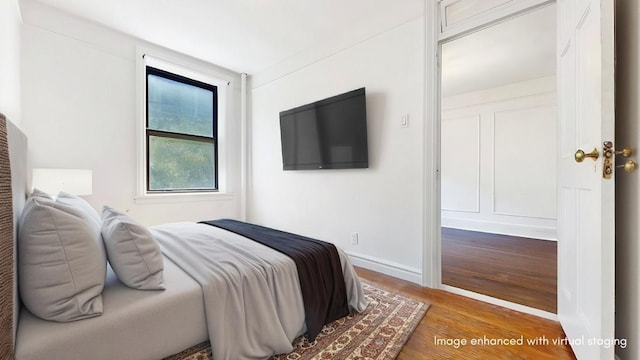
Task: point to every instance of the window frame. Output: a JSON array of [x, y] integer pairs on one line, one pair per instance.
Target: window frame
[[196, 69], [151, 70]]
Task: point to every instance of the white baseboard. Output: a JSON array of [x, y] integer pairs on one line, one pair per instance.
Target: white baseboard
[[500, 302], [528, 231], [386, 267]]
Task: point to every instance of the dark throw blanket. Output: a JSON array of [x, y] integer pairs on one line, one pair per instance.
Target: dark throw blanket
[[321, 281]]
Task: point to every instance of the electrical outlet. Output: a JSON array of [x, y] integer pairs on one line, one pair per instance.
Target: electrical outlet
[[354, 238]]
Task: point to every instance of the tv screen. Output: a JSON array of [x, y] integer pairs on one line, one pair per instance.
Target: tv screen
[[327, 134]]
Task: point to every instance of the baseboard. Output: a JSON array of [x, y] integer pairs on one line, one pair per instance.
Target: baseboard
[[528, 231], [495, 301], [386, 267]]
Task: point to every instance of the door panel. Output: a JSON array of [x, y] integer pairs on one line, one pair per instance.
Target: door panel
[[586, 200]]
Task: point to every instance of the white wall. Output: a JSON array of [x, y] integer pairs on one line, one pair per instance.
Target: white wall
[[79, 111], [627, 185], [499, 160], [382, 203], [10, 23]]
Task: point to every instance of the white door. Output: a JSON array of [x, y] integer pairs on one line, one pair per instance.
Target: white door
[[585, 199]]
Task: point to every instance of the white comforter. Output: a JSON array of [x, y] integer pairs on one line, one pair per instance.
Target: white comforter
[[252, 296]]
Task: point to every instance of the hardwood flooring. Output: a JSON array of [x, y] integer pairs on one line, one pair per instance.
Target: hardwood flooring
[[453, 318], [515, 269]]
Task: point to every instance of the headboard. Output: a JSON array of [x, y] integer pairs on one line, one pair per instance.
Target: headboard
[[14, 183]]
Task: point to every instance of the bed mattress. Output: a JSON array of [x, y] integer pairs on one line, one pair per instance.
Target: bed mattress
[[135, 325], [251, 292]]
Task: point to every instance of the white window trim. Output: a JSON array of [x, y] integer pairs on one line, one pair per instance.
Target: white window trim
[[180, 65]]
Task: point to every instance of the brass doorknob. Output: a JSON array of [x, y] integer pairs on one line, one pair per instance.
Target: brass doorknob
[[626, 152], [581, 155], [628, 166]]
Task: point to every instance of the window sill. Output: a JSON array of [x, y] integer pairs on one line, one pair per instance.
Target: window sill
[[182, 198]]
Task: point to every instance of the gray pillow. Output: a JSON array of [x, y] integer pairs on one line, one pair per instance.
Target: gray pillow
[[61, 262], [132, 251], [82, 208], [40, 194]]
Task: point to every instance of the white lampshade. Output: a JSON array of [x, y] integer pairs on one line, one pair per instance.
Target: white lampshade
[[72, 181]]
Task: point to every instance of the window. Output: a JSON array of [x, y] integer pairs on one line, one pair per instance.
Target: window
[[181, 133]]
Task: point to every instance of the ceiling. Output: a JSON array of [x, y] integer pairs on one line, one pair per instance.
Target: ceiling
[[245, 35], [253, 36], [519, 49]]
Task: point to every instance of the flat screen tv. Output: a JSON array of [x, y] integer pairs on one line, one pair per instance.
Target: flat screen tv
[[326, 134]]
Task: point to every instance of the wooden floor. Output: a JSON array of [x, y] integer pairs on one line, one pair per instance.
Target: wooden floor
[[515, 269], [453, 318]]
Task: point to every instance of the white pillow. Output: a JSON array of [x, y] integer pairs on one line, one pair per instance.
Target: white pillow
[[132, 251], [61, 262]]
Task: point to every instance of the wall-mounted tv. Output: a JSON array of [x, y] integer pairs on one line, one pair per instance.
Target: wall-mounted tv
[[326, 134]]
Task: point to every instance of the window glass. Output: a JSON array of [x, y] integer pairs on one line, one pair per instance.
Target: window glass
[[178, 107], [176, 164]]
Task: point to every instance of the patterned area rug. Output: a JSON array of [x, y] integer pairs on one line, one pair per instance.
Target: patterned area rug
[[377, 333]]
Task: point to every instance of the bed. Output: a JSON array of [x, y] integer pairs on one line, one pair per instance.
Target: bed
[[245, 298]]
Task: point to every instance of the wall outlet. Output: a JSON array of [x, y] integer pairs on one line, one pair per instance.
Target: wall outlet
[[354, 238]]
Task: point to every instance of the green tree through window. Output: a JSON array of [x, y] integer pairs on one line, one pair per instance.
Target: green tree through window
[[181, 133]]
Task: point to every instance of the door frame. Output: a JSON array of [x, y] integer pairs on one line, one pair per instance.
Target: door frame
[[435, 36]]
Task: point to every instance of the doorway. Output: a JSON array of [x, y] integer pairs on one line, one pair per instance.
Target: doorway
[[498, 161]]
